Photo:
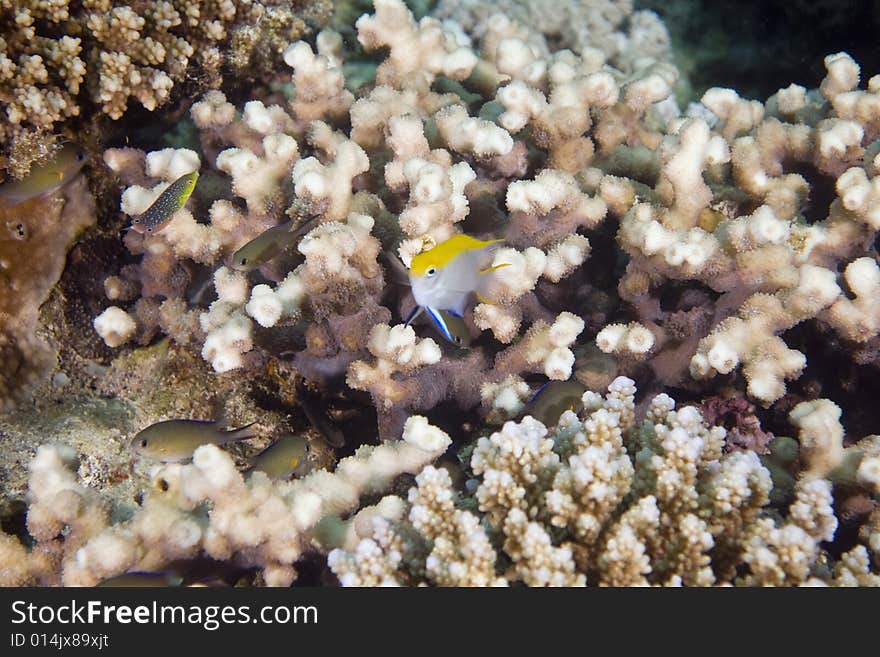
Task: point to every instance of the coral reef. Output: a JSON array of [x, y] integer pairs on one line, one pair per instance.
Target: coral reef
[[74, 59], [34, 239], [203, 506], [609, 26], [604, 500]]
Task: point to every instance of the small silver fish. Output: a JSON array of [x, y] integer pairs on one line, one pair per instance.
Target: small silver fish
[[172, 199], [268, 245], [45, 179], [284, 458], [176, 440], [553, 398]]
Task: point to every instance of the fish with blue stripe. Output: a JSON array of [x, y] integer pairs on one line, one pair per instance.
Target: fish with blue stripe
[[452, 327], [444, 277]]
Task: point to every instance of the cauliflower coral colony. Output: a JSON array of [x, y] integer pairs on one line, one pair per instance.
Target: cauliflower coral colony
[[635, 369]]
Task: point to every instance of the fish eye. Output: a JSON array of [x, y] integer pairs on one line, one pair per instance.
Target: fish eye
[[243, 261], [136, 220], [144, 442], [149, 229], [80, 157], [431, 271]]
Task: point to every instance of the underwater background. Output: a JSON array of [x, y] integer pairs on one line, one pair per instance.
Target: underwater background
[[456, 293]]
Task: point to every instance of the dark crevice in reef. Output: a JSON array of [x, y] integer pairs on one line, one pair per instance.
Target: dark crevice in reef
[[822, 192], [832, 374], [760, 47]]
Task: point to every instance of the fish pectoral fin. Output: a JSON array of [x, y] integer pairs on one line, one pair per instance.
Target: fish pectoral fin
[[441, 324], [483, 299], [489, 270]]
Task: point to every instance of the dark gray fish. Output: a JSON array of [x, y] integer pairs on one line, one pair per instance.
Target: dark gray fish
[[175, 196], [268, 245], [553, 398]]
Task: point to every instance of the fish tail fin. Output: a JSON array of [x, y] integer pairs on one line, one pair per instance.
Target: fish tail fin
[[398, 270], [491, 246], [241, 433], [491, 249]]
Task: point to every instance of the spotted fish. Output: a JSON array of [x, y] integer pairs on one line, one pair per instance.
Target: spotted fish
[[172, 199]]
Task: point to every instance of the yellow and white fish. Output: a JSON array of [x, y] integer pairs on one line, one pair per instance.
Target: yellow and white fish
[[443, 278]]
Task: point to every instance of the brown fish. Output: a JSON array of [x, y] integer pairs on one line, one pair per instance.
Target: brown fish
[[176, 440]]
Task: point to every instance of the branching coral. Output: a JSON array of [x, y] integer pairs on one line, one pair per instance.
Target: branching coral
[[418, 52], [605, 500], [396, 350], [204, 506], [724, 243], [609, 27], [563, 142], [109, 53]]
